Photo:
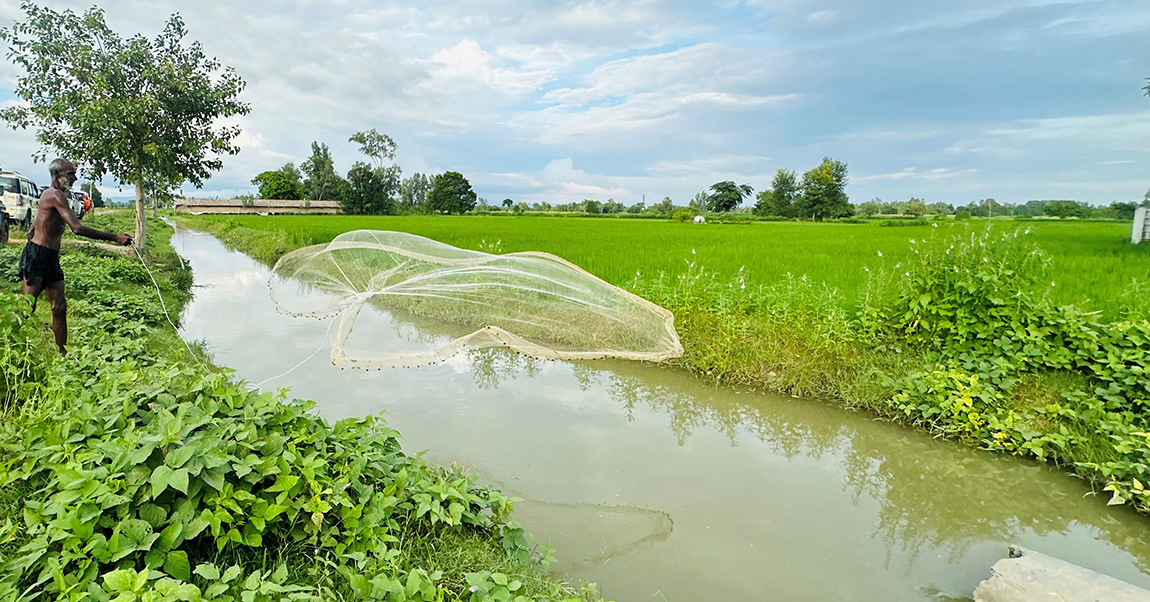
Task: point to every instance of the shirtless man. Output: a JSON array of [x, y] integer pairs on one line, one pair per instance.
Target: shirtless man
[[40, 262]]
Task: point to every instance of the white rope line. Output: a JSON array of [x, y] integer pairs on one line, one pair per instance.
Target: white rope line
[[164, 306], [303, 361]]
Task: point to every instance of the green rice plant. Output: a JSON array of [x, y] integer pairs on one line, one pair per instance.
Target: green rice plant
[[1092, 263]]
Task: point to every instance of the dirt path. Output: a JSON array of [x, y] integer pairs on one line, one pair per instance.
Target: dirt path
[[73, 242]]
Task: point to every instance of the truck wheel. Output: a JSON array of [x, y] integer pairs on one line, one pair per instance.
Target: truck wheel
[[27, 224]]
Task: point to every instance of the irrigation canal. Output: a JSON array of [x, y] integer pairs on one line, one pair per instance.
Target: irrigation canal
[[660, 487]]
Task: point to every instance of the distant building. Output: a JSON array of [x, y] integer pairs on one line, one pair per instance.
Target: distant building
[[1141, 229]]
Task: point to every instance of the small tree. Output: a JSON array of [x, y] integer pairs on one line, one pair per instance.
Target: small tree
[[824, 191], [371, 190], [1065, 209], [413, 191], [279, 184], [664, 207], [321, 180], [725, 196], [916, 207], [451, 193], [780, 199], [380, 147], [137, 109], [507, 203], [700, 204]]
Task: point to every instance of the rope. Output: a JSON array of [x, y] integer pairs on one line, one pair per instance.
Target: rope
[[164, 306], [302, 362]]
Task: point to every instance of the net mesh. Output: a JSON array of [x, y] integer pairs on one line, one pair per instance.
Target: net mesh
[[534, 303]]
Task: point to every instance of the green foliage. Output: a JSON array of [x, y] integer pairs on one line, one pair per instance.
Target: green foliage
[[413, 191], [279, 185], [683, 216], [979, 310], [379, 147], [725, 196], [781, 199], [451, 193], [962, 215], [1092, 262], [371, 190], [131, 473], [320, 178], [824, 191], [1064, 209], [138, 109]]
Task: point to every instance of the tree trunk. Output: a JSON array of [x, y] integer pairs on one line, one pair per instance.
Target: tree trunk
[[141, 225]]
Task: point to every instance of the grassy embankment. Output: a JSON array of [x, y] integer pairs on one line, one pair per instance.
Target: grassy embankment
[[986, 334], [133, 469]]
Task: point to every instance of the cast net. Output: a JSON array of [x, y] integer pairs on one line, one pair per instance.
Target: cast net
[[534, 303]]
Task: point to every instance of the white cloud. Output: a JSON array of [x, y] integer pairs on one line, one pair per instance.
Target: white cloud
[[822, 16], [673, 96], [912, 173]]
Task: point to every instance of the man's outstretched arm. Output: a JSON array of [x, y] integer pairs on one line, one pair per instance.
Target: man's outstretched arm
[[82, 230]]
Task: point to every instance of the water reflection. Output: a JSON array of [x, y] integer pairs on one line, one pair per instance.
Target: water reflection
[[934, 495], [653, 483]]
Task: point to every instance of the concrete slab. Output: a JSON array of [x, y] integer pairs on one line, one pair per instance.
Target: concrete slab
[[1028, 576]]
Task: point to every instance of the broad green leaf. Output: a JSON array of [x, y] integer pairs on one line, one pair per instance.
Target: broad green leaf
[[208, 571], [231, 573], [120, 581], [136, 529], [160, 479], [154, 515], [179, 481], [177, 565], [179, 457]]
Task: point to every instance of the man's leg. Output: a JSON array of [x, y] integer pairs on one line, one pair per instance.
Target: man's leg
[[32, 288], [59, 306]]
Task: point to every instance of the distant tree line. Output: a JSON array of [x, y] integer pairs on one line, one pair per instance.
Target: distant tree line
[[1118, 210], [375, 188]]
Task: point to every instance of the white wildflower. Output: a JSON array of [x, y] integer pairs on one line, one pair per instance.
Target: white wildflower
[[692, 251], [907, 274], [866, 269], [880, 253], [742, 286], [934, 225]]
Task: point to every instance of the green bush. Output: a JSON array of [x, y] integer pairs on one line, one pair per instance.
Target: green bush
[[979, 310], [683, 216], [129, 472], [962, 215]]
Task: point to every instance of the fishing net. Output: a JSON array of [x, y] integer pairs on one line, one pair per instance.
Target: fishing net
[[534, 303]]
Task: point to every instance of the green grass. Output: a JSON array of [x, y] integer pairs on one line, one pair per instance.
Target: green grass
[[1091, 262]]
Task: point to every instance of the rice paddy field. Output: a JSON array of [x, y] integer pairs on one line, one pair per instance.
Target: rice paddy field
[[1091, 263]]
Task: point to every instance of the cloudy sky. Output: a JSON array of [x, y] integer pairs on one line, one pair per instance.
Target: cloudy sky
[[558, 101]]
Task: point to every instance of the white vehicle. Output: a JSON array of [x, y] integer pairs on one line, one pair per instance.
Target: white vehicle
[[76, 202], [20, 196]]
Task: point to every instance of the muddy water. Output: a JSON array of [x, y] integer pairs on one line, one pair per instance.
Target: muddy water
[[661, 487]]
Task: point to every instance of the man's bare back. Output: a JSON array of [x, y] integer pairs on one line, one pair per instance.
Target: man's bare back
[[40, 262]]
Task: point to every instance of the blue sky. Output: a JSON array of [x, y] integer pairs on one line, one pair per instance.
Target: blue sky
[[562, 101]]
